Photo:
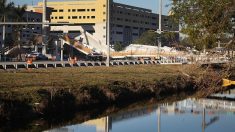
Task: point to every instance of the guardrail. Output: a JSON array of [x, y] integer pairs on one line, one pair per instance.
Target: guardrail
[[56, 64]]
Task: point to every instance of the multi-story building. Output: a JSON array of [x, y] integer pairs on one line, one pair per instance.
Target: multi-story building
[[127, 23], [27, 31]]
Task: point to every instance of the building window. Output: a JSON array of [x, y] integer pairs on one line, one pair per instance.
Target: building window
[[69, 17], [80, 17], [119, 26], [73, 10], [69, 10], [81, 10], [74, 17], [119, 33], [104, 5], [61, 17], [104, 20], [55, 17], [104, 27], [84, 17], [88, 17], [104, 36], [92, 9], [154, 18], [54, 10], [104, 13], [61, 10], [135, 28], [119, 19], [92, 17], [88, 9]]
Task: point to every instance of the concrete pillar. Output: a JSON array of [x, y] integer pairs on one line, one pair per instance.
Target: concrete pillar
[[108, 32], [44, 27]]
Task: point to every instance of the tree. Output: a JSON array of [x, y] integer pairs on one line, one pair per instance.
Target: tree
[[204, 21], [147, 38], [5, 9], [118, 47], [18, 15], [151, 38]]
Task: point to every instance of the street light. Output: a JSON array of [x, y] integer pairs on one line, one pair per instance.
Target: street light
[[160, 27], [108, 33], [44, 26]]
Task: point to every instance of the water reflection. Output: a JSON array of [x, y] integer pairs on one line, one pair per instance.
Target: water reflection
[[212, 114]]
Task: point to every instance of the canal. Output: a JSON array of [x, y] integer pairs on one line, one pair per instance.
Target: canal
[[213, 114]]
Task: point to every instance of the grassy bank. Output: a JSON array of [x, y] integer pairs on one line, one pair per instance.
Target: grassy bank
[[73, 77], [52, 92]]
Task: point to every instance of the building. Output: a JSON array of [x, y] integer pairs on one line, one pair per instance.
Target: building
[[127, 23], [27, 31]]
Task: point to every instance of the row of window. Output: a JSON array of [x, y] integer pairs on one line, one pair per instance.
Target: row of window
[[135, 21], [135, 14], [139, 15], [134, 34], [74, 10], [74, 17], [32, 19]]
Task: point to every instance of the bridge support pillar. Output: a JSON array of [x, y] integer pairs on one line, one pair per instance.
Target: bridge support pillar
[[16, 66]]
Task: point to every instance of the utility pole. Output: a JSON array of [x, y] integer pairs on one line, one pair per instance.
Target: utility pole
[[160, 27], [108, 33], [44, 27], [3, 38]]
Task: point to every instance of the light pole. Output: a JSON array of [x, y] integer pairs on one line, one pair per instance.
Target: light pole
[[44, 26], [3, 38], [160, 28], [108, 33]]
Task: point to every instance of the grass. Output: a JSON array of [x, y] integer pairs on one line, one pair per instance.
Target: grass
[[76, 77]]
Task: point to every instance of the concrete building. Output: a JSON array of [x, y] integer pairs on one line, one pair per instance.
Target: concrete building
[[27, 31], [127, 23]]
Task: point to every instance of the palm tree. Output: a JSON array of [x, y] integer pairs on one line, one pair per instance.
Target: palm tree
[[18, 15], [5, 9]]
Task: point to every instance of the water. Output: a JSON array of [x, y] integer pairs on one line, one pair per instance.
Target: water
[[190, 115]]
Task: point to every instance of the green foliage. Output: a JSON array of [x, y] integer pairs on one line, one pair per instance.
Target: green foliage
[[5, 8], [151, 38], [147, 38], [204, 21], [118, 47]]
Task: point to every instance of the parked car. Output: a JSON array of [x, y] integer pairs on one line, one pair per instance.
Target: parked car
[[36, 56]]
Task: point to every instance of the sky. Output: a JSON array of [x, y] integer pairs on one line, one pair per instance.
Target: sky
[[149, 4]]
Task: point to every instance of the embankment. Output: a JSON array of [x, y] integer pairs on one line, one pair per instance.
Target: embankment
[[24, 99]]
